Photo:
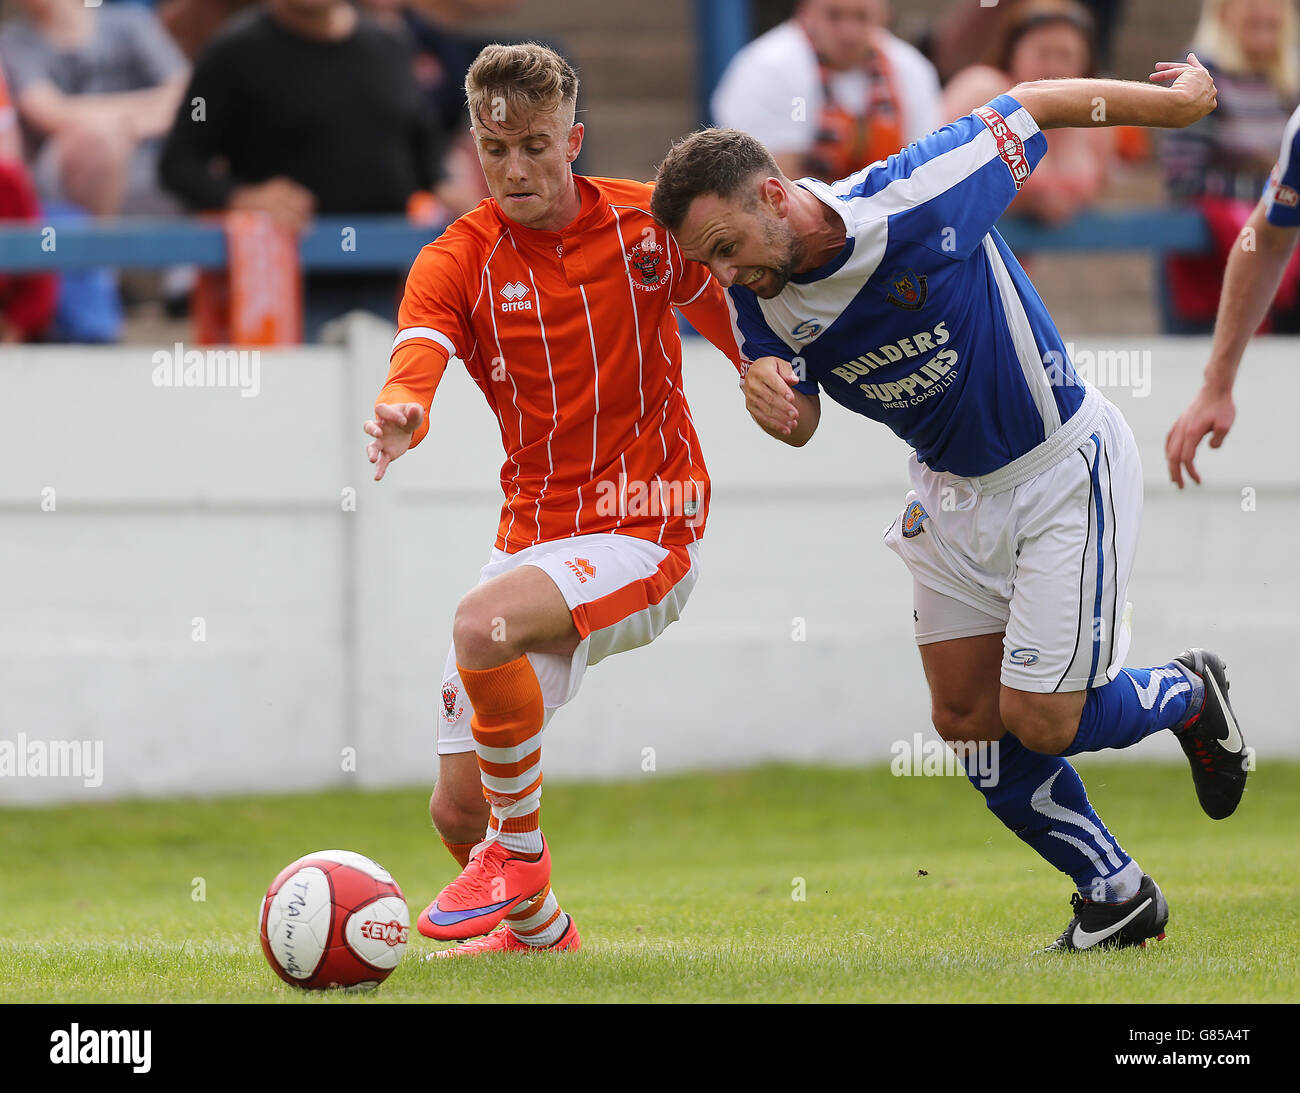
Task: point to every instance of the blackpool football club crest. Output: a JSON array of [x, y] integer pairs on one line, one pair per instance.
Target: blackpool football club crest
[[645, 263], [452, 707], [907, 290]]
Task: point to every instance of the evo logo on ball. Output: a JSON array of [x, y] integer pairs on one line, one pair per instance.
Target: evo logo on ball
[[390, 933]]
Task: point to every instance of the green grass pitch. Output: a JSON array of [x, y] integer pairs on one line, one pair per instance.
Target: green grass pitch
[[684, 890]]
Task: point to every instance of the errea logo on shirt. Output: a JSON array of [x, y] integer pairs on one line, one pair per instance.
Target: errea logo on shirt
[[514, 294]]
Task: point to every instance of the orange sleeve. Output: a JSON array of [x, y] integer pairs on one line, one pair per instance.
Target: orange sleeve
[[704, 302], [413, 374], [432, 325]]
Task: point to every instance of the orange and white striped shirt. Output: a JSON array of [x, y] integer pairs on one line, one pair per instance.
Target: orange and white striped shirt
[[571, 337]]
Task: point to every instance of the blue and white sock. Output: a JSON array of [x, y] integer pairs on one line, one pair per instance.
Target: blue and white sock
[[1041, 799], [1135, 704]]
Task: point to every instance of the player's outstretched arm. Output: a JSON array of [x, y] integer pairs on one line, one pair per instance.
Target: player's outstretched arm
[[392, 428], [1254, 272], [780, 410], [1086, 104], [707, 312]]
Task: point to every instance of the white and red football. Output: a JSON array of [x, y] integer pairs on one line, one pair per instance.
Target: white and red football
[[334, 919]]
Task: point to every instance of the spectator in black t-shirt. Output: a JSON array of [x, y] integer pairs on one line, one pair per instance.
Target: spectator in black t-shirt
[[305, 107]]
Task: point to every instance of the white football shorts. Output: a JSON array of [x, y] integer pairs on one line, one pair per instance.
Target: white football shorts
[[623, 592], [1043, 558]]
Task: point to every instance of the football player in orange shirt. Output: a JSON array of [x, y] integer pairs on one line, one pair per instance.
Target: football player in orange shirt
[[557, 293]]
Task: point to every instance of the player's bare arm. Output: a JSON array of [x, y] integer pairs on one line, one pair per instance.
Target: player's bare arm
[[392, 428], [1250, 282], [780, 410], [1190, 94]]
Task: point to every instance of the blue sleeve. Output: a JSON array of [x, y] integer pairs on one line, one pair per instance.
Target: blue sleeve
[[756, 337], [948, 189], [1283, 190]]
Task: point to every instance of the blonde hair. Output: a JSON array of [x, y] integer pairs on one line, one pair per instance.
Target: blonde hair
[[1218, 45], [509, 84]]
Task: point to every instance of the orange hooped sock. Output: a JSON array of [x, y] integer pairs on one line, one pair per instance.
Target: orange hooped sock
[[459, 851], [540, 922], [507, 727]]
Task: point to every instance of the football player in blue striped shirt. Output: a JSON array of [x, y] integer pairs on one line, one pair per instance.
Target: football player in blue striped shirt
[[892, 292]]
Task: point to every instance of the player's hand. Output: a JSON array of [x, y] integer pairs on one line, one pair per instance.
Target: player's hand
[[1197, 95], [392, 428], [1210, 412], [769, 395]]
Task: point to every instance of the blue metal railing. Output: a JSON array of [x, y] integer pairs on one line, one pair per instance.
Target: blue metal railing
[[363, 243], [375, 244], [1145, 229]]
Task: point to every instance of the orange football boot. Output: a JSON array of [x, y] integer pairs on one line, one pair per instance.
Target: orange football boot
[[504, 940], [494, 883]]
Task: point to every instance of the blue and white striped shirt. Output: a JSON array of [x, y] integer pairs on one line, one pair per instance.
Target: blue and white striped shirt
[[925, 321]]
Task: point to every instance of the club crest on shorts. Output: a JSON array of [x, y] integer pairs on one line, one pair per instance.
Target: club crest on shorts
[[452, 707], [907, 290], [914, 517]]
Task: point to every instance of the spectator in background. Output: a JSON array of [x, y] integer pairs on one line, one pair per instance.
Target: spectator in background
[[830, 90], [443, 49], [308, 108], [1047, 39], [26, 299], [192, 23], [969, 33], [441, 55], [96, 89], [1221, 164], [11, 139]]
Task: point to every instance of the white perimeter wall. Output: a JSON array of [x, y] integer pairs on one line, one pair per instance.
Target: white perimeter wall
[[327, 629]]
